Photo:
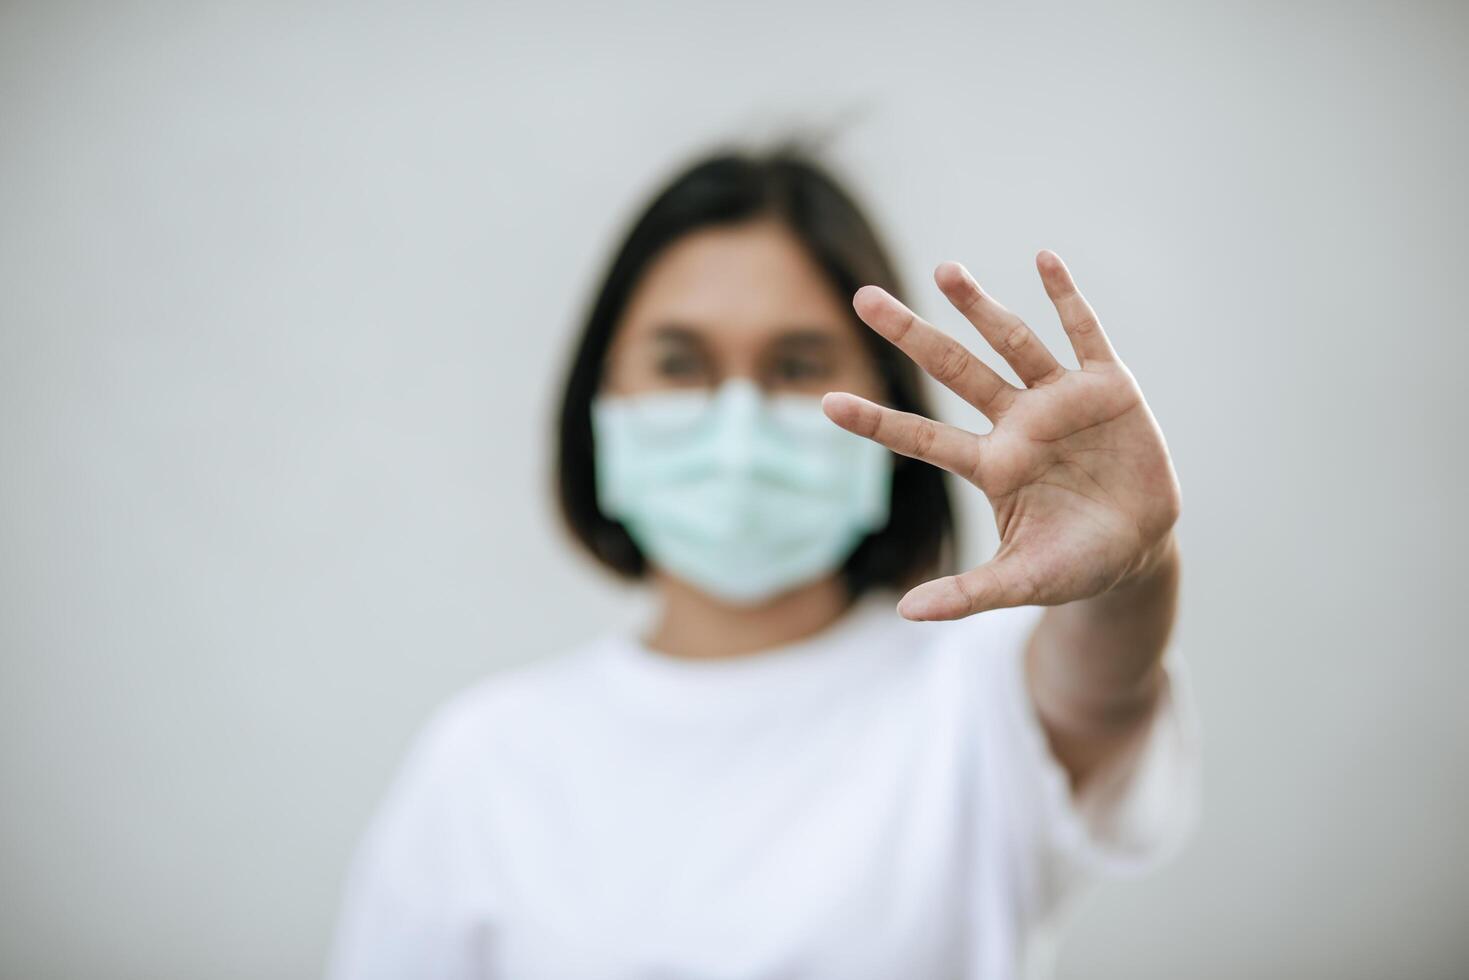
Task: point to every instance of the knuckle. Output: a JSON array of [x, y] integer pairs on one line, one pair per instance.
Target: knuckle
[[871, 425], [966, 592], [1016, 338], [924, 437], [1087, 326], [950, 363], [1000, 400], [1055, 374], [974, 472], [904, 325]]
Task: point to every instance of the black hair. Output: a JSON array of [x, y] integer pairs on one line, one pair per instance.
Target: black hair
[[727, 187]]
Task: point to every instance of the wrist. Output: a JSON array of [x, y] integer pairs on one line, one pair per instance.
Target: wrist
[[1160, 563]]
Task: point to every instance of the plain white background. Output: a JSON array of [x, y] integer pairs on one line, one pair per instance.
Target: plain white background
[[285, 295]]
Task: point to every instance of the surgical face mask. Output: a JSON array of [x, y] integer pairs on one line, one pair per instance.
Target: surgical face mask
[[742, 495]]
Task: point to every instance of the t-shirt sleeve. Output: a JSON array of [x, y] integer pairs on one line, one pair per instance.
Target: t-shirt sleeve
[[1127, 820], [405, 911]]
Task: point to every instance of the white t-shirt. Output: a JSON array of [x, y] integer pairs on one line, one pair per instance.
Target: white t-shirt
[[875, 801]]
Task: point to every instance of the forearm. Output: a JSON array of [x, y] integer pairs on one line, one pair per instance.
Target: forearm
[[1094, 667]]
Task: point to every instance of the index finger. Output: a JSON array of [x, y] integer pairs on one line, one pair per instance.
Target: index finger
[[945, 360]]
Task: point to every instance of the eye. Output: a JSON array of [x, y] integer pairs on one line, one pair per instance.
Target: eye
[[799, 367], [679, 364]]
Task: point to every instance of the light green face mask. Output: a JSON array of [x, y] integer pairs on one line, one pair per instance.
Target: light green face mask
[[742, 495]]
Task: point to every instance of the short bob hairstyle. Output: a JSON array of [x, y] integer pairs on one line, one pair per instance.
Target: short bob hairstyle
[[731, 187]]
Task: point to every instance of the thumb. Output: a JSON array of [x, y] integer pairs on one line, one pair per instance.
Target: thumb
[[996, 584]]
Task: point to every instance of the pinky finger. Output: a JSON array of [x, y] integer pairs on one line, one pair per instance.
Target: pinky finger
[[1077, 316]]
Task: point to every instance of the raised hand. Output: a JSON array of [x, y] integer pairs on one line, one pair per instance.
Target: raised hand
[[1075, 466]]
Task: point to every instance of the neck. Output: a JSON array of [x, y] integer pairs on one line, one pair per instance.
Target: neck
[[696, 625]]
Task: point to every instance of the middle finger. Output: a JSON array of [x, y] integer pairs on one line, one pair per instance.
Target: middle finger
[[1006, 332]]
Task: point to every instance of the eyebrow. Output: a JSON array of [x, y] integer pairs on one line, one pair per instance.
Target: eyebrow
[[806, 337], [678, 332], [789, 337]]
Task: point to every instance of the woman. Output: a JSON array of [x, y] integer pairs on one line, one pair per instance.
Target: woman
[[791, 771]]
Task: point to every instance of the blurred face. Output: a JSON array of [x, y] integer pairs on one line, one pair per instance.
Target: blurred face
[[712, 447], [742, 300]]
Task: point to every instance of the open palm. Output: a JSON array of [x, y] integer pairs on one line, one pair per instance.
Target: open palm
[[1075, 465]]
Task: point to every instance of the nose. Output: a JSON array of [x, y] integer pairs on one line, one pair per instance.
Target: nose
[[738, 405]]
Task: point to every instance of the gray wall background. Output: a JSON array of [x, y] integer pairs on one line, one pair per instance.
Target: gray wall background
[[284, 297]]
